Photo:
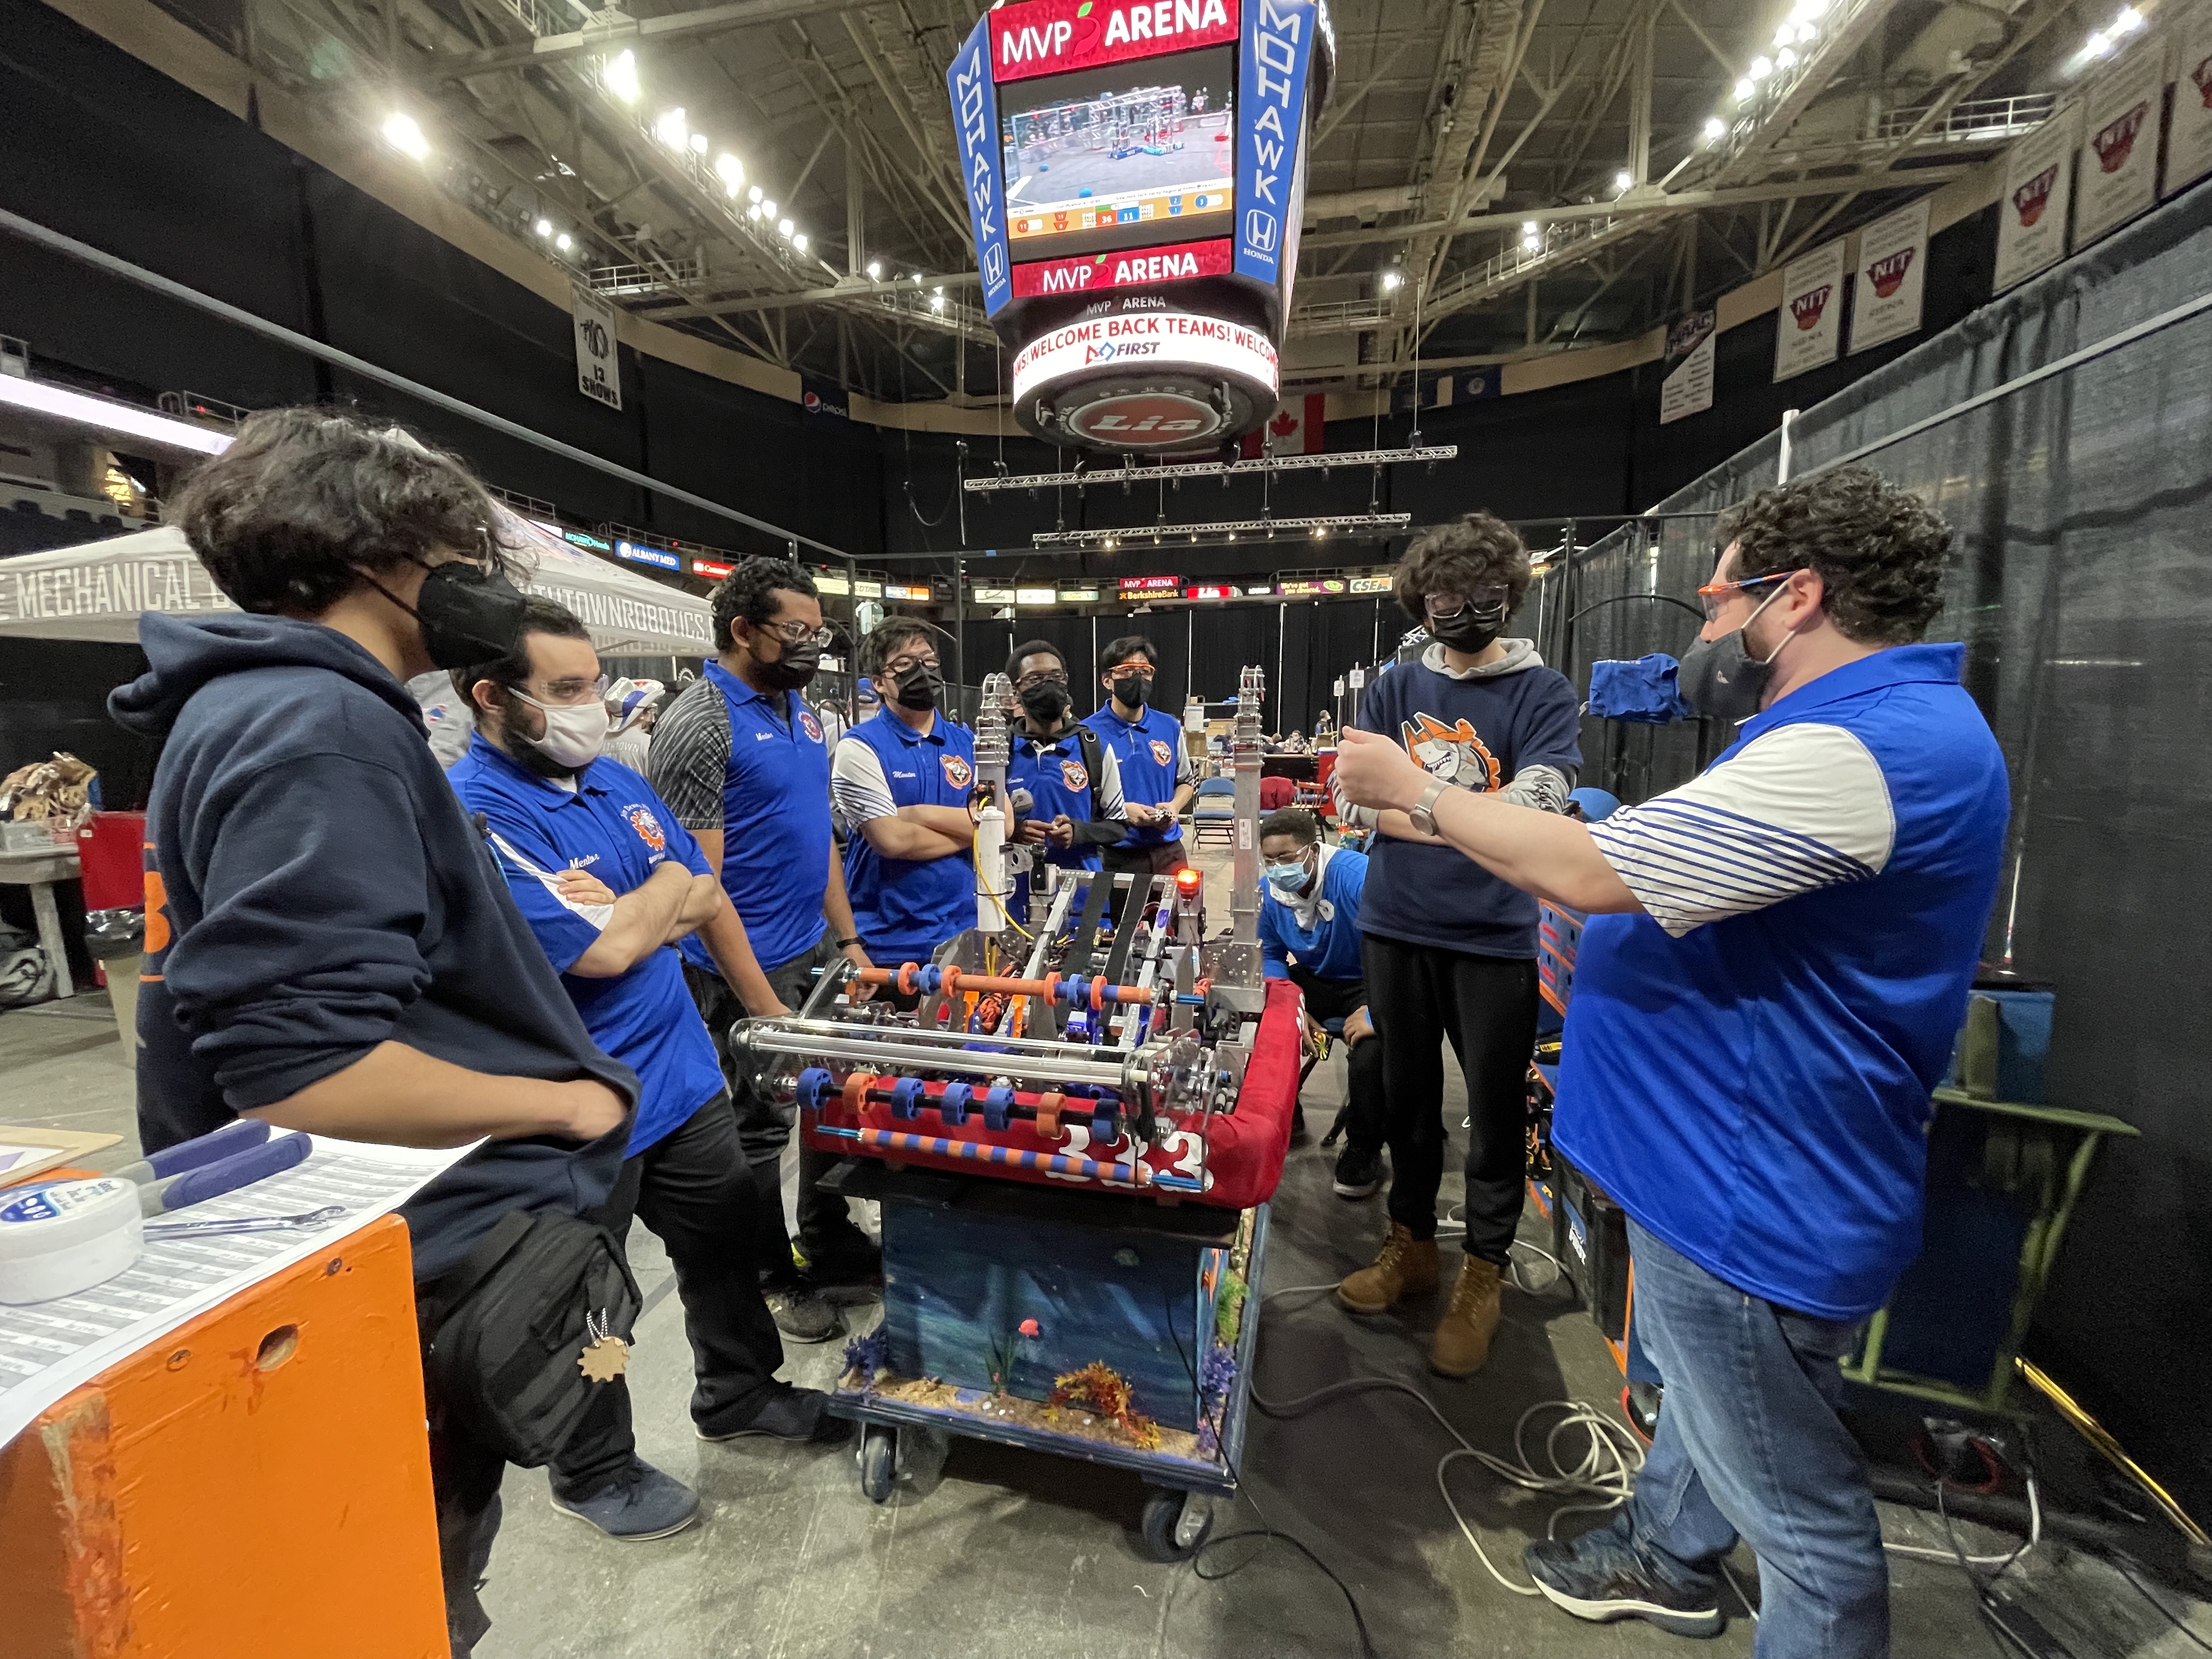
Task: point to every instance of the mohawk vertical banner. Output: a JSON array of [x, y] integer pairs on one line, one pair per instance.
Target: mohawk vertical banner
[[2033, 201], [1891, 277], [1809, 331], [976, 116], [1273, 49], [2120, 163], [2188, 146]]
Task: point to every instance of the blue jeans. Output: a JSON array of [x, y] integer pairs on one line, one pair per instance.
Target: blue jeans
[[1749, 1443]]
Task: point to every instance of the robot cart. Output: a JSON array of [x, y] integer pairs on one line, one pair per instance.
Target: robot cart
[[1091, 1326]]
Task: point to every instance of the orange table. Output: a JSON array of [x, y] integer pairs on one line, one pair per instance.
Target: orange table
[[257, 1482]]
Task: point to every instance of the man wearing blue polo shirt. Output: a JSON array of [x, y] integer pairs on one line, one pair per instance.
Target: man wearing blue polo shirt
[[1158, 776], [740, 758], [1768, 988], [608, 881], [1071, 777], [901, 782]]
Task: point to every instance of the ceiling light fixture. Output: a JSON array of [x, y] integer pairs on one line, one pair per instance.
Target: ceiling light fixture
[[768, 210], [1715, 129], [1623, 180], [731, 172], [564, 241], [672, 128], [754, 194], [401, 132], [543, 227], [783, 229], [620, 77], [1390, 280], [1760, 69], [799, 241], [1785, 58], [698, 144], [875, 271], [1744, 89]]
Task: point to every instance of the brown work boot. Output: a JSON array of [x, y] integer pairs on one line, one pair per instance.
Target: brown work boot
[[1406, 1263], [1462, 1339]]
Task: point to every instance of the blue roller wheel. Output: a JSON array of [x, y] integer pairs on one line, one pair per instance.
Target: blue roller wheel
[[815, 1086], [931, 979], [906, 1099], [1074, 991], [1106, 1127], [952, 1104], [998, 1107]]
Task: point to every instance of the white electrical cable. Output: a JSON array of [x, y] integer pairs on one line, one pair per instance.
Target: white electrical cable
[[1951, 1558]]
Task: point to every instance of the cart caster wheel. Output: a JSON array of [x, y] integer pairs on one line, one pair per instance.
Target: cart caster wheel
[[878, 1462], [1176, 1524]]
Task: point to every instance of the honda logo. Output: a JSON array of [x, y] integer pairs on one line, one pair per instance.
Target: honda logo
[[994, 265], [1260, 231]]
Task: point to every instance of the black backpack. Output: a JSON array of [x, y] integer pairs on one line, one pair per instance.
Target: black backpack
[[504, 1330]]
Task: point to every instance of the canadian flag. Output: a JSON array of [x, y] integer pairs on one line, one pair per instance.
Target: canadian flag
[[1296, 427]]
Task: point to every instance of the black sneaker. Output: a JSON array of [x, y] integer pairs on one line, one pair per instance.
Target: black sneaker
[[642, 1503], [1599, 1577], [800, 1310], [1358, 1172], [843, 1258], [788, 1414]]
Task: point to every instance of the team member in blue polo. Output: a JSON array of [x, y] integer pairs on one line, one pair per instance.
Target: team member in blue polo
[[1072, 779], [901, 782], [608, 881], [1158, 776], [1769, 988], [739, 757]]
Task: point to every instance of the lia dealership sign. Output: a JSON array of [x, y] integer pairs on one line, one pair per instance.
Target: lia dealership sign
[[1165, 340]]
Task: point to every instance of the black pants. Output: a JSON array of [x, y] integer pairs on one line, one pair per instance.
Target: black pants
[[1139, 862], [693, 1189], [1485, 1007], [1364, 1065], [764, 1127], [465, 1477]]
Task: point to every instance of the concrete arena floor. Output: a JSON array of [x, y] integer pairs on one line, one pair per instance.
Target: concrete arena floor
[[1005, 1554]]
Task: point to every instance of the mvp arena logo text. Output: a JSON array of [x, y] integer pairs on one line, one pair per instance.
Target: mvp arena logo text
[[1091, 273], [1043, 36]]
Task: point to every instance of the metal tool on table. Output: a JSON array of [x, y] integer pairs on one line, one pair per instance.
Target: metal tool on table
[[306, 1221]]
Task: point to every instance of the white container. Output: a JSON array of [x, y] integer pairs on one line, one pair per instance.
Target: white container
[[57, 1240]]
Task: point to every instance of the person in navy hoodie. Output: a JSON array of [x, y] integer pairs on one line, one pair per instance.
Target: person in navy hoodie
[[328, 946], [1777, 960], [1450, 949]]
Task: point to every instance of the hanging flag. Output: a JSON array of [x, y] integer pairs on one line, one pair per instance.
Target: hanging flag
[[2188, 146], [1809, 329], [2119, 164], [1297, 428], [2037, 193], [598, 363], [1891, 276]]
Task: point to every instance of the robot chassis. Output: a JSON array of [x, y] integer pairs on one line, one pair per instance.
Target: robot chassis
[[1099, 1064]]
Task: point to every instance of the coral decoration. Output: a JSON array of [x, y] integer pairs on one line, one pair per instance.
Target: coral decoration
[[1029, 1327], [1104, 1392], [867, 1355]]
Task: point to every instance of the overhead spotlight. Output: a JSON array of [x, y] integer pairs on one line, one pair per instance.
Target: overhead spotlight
[[1744, 89], [1760, 69], [401, 132], [754, 194], [1528, 227], [620, 77], [938, 292], [1785, 34], [875, 271], [937, 302], [564, 241], [543, 227], [731, 171], [2128, 21], [1784, 58], [1622, 180], [672, 128], [754, 211], [1811, 10], [2097, 45], [783, 229], [799, 241], [698, 144], [1715, 129], [917, 276], [1391, 279], [768, 210]]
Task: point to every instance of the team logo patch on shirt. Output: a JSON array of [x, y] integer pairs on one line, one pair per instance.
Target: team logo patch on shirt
[[1162, 755], [958, 772], [1454, 753], [647, 827], [1073, 775], [808, 724]]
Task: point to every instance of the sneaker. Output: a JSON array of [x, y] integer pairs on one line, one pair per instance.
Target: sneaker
[[788, 1414], [1405, 1264], [642, 1503], [1600, 1577], [847, 1256], [1461, 1342], [1359, 1173], [1457, 1215], [800, 1310]]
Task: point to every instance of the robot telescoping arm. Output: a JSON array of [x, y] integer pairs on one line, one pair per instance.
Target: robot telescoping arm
[[995, 858]]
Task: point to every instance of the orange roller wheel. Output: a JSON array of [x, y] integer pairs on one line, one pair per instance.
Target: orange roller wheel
[[906, 984], [856, 1093], [1098, 994], [1052, 986], [951, 983], [1048, 1116]]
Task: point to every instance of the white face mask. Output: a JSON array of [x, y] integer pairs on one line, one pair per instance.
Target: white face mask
[[573, 731]]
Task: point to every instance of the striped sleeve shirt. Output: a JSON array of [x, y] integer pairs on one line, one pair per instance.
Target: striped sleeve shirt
[[1802, 807], [690, 755]]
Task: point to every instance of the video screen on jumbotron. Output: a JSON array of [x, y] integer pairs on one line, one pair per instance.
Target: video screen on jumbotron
[[1121, 156]]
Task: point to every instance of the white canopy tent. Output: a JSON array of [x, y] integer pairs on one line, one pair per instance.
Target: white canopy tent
[[97, 590]]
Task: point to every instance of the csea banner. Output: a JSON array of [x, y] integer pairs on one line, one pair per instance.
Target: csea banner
[[2035, 198], [2188, 146], [1809, 331], [2119, 164], [1891, 277]]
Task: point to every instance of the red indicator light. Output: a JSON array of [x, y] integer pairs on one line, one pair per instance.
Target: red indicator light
[[1189, 880]]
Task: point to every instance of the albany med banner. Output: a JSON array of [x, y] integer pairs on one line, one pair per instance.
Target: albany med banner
[[1810, 329]]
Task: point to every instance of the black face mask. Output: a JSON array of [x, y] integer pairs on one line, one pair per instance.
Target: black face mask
[[791, 671], [1045, 704], [918, 687], [1131, 690], [469, 615], [1467, 629]]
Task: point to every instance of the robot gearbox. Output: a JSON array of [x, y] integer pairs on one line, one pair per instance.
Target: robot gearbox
[[1098, 1041], [1135, 172]]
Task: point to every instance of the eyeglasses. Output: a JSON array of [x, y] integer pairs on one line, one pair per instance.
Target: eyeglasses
[[798, 633], [1483, 601], [1143, 671], [898, 665], [1030, 681], [569, 689], [1714, 595]]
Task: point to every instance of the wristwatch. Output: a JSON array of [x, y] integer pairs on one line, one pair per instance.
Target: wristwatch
[[1423, 813]]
